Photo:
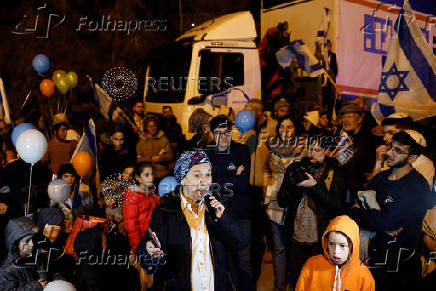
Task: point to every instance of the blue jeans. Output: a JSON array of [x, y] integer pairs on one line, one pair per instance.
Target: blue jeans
[[278, 255]]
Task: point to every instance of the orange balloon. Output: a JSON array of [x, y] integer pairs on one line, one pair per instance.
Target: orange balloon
[[82, 163], [47, 87]]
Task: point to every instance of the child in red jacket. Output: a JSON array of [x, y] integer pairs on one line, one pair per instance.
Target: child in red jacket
[[139, 202]]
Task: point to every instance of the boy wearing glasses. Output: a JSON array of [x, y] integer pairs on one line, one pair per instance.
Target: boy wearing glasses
[[403, 196]]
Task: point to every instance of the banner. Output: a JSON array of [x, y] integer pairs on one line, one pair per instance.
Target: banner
[[365, 31]]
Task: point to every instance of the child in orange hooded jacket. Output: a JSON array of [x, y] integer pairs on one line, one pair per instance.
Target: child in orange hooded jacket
[[339, 268]]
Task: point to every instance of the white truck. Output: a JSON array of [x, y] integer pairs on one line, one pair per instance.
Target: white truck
[[216, 63]]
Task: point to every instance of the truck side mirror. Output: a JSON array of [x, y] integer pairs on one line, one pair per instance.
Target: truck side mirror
[[197, 99]]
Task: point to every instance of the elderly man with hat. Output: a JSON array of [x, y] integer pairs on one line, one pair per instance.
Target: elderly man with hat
[[197, 237], [59, 150], [360, 162]]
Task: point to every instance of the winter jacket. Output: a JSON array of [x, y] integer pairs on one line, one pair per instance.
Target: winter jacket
[[403, 204], [137, 209], [256, 142], [58, 152], [114, 162], [14, 274], [14, 277], [362, 161], [15, 230], [170, 225], [173, 130], [273, 174], [327, 197], [158, 145], [320, 273], [224, 176]]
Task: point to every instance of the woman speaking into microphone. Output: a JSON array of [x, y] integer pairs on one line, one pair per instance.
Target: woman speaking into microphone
[[197, 238]]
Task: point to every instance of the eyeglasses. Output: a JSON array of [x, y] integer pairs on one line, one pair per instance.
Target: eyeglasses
[[222, 132], [396, 150]]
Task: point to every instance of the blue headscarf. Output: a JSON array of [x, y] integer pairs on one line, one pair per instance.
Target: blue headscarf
[[186, 161]]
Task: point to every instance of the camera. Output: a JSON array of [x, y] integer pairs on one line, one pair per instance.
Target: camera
[[299, 171]]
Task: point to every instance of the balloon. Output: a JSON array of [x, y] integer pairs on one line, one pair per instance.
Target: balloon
[[72, 79], [19, 129], [47, 87], [31, 146], [59, 285], [41, 63], [82, 163], [58, 190], [57, 75], [167, 185], [62, 85], [245, 120]]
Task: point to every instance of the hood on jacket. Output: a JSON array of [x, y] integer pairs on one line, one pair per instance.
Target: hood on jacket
[[16, 229], [159, 135], [348, 227]]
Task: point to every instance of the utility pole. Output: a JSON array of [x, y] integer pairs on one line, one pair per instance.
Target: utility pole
[[180, 17]]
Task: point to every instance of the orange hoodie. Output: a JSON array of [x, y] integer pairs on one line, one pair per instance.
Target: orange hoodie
[[320, 273]]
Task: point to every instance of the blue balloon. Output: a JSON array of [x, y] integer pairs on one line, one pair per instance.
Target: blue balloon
[[245, 120], [19, 129], [41, 63], [167, 185]]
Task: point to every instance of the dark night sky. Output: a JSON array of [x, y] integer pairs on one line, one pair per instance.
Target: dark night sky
[[90, 52]]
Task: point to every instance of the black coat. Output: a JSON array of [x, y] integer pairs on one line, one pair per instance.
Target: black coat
[[325, 204], [170, 225], [114, 162], [19, 278], [224, 166]]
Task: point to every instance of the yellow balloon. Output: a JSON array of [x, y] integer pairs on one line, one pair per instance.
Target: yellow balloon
[[62, 85], [57, 75], [72, 79]]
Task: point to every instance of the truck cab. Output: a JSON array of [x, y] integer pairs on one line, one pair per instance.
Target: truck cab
[[214, 64]]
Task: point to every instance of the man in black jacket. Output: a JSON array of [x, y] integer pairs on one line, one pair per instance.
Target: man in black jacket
[[197, 244], [403, 197], [230, 176]]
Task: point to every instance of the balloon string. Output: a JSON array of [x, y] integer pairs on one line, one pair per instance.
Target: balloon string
[[26, 211]]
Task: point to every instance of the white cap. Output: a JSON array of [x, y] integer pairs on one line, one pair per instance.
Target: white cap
[[398, 115], [416, 137]]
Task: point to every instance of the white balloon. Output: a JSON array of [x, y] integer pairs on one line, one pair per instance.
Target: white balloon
[[58, 190], [31, 146], [59, 285]]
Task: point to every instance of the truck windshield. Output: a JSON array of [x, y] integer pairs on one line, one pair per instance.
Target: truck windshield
[[169, 69]]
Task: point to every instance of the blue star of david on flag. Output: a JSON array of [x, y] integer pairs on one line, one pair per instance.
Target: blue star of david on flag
[[400, 75]]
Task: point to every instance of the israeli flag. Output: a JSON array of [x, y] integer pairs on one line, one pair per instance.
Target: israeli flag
[[88, 143], [408, 80], [4, 105], [298, 51], [108, 109], [322, 34]]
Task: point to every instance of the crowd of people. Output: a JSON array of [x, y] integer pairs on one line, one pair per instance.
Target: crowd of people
[[342, 204]]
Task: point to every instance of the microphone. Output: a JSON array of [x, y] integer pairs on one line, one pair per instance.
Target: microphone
[[210, 209]]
